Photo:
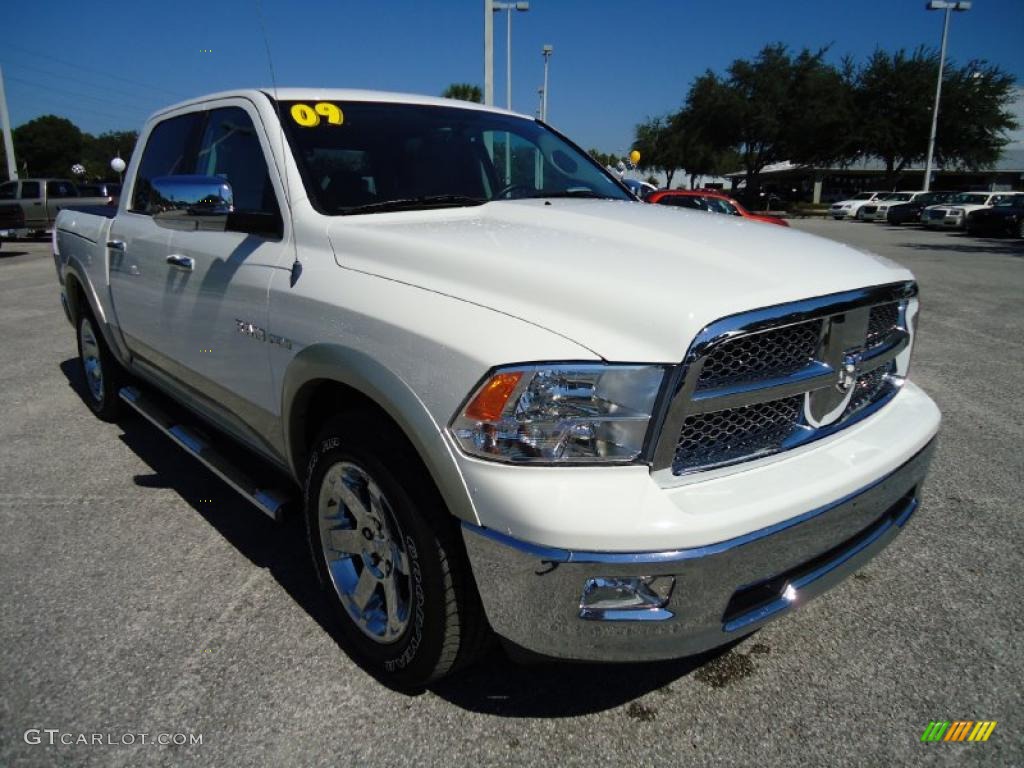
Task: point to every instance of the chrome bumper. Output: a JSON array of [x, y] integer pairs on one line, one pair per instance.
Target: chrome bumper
[[722, 591]]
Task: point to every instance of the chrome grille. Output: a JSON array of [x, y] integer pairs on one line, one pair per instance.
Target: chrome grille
[[870, 387], [721, 437], [882, 321], [770, 380], [770, 354]]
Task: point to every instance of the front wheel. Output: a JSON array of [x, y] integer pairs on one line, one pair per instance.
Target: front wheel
[[389, 555]]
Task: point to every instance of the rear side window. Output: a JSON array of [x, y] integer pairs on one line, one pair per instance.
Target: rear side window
[[683, 201], [61, 189], [30, 190], [170, 150]]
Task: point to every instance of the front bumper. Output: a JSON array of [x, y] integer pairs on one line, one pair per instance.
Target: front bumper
[[722, 591]]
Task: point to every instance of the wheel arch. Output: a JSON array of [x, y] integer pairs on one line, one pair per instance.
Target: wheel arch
[[325, 379], [81, 296]]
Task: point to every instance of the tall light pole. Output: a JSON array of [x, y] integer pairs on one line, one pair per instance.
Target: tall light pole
[[488, 53], [508, 8], [947, 6], [546, 52], [5, 125]]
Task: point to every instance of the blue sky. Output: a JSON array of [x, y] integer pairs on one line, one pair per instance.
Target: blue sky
[[108, 65]]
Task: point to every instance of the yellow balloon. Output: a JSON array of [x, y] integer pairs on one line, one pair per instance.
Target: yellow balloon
[[634, 157]]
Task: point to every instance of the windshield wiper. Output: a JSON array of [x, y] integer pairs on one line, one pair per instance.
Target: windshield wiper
[[573, 193], [414, 204]]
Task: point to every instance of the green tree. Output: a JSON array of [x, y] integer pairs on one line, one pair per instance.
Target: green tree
[[98, 151], [48, 146], [975, 116], [697, 153], [607, 159], [464, 92], [775, 107], [894, 100], [659, 147]]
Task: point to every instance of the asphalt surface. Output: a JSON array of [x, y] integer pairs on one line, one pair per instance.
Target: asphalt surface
[[140, 595]]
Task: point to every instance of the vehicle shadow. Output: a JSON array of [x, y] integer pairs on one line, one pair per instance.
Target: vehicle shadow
[[962, 243], [495, 685]]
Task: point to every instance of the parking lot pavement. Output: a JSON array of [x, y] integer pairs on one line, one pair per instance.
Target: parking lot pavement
[[141, 596]]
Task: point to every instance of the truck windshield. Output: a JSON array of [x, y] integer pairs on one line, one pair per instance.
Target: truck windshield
[[371, 157]]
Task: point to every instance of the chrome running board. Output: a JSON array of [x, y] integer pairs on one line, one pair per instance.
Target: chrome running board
[[270, 502]]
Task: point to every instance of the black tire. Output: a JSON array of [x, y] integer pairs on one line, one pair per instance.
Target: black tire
[[444, 628], [103, 375], [860, 214], [1020, 229]]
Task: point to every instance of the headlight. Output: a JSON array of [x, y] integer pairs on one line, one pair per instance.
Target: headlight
[[560, 414]]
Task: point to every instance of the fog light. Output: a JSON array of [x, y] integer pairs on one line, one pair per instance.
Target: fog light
[[634, 599]]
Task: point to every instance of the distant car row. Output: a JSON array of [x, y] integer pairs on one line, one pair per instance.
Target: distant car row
[[990, 213]]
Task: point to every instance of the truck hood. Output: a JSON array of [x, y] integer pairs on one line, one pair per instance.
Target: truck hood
[[629, 281]]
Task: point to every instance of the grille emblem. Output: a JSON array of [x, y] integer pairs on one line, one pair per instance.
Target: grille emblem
[[849, 371], [842, 347]]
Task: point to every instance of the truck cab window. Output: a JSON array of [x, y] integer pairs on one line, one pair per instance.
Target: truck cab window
[[170, 146], [30, 190], [230, 148]]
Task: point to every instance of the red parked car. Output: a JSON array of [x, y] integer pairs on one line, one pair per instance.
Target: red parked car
[[705, 200]]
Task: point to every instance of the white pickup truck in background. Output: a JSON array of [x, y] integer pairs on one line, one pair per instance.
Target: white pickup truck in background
[[505, 396]]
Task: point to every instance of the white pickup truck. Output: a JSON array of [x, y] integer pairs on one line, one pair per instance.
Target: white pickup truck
[[506, 397]]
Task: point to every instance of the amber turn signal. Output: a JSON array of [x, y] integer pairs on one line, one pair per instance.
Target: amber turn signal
[[490, 400]]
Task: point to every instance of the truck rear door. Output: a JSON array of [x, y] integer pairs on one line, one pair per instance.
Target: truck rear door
[[31, 199], [59, 193]]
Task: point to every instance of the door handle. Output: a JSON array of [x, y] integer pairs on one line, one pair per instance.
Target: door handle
[[116, 245], [181, 262]]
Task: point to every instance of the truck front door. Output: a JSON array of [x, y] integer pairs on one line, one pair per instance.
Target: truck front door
[[220, 288]]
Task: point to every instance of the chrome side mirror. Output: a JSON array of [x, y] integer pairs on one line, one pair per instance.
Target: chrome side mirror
[[191, 202]]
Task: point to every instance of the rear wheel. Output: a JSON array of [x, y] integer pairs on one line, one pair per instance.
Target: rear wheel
[[389, 555], [103, 375]]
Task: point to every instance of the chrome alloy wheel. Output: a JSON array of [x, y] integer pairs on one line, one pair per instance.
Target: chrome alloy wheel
[[91, 359], [365, 552]]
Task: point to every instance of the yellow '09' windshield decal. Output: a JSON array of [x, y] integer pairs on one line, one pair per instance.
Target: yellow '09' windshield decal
[[309, 116]]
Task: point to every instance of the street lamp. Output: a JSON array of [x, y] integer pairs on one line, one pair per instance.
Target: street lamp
[[947, 6], [508, 8], [546, 52]]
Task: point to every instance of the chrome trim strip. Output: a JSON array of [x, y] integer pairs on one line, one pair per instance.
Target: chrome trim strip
[[619, 614], [815, 376], [558, 555], [783, 603]]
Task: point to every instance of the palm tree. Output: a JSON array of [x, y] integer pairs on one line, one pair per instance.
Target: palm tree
[[464, 92]]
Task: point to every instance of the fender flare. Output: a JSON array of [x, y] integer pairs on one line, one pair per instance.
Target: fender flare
[[329, 362]]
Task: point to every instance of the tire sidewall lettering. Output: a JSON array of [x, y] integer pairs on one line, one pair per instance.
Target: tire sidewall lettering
[[416, 636]]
